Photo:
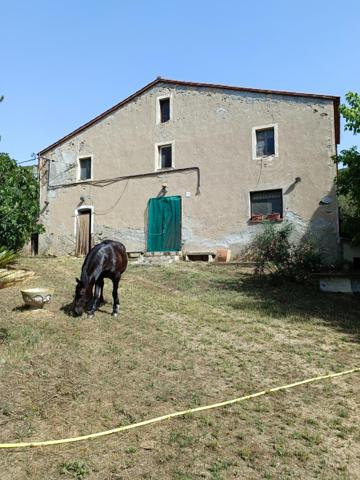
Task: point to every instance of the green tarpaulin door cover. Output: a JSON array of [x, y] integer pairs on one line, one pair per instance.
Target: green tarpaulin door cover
[[164, 227]]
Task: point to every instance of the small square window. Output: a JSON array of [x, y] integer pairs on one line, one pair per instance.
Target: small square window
[[164, 110], [266, 204], [85, 168], [265, 142], [165, 156]]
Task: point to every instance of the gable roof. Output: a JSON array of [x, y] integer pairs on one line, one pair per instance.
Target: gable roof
[[160, 80]]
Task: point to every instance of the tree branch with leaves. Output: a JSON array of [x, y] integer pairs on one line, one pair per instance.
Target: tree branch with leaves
[[348, 178]]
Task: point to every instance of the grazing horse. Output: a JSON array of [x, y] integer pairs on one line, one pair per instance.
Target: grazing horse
[[108, 259]]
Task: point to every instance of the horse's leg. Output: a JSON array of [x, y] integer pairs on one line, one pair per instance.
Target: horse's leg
[[116, 304], [102, 301], [96, 300]]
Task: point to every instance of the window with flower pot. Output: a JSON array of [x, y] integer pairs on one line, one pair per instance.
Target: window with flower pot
[[266, 205]]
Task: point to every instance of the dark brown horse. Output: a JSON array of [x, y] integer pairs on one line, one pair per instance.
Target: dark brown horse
[[108, 259]]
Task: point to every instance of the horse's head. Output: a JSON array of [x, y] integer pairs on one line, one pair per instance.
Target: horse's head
[[82, 297]]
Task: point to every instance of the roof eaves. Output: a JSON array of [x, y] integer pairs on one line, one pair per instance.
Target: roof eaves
[[246, 89]]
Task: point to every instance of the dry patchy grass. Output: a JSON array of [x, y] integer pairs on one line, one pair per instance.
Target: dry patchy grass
[[187, 335]]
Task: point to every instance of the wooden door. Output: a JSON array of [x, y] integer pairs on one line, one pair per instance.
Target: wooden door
[[83, 232]]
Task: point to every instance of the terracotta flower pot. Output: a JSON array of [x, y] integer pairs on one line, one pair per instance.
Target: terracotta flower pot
[[274, 216], [257, 218], [223, 255]]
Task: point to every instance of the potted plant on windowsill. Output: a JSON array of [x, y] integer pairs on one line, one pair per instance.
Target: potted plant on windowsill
[[274, 217], [257, 218]]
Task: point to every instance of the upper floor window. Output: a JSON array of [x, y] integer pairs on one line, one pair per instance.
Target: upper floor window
[[85, 168], [165, 159], [164, 110], [265, 143], [267, 204]]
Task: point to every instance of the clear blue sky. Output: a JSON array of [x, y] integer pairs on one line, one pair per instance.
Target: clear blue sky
[[64, 62]]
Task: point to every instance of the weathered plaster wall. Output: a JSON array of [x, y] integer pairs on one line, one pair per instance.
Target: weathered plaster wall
[[211, 129]]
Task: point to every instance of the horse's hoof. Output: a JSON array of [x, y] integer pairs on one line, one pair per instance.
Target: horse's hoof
[[90, 315], [114, 314]]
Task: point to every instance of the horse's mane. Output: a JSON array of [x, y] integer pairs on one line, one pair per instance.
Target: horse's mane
[[86, 275], [84, 271]]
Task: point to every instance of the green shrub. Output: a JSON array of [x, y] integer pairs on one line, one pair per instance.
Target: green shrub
[[6, 257], [77, 468], [304, 260], [276, 254], [271, 247]]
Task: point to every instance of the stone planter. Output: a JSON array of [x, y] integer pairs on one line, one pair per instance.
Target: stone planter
[[37, 297]]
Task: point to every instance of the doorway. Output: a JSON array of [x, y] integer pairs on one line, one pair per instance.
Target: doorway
[[83, 232], [34, 245], [164, 224]]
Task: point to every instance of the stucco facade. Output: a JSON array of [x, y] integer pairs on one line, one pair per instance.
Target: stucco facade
[[211, 128]]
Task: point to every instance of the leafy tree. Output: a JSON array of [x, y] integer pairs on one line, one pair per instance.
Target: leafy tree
[[19, 204], [351, 112], [348, 179], [349, 220], [1, 99]]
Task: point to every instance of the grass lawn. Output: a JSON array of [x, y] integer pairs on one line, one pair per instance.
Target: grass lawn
[[188, 335]]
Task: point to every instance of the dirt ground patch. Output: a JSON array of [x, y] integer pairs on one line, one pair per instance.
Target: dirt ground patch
[[187, 335]]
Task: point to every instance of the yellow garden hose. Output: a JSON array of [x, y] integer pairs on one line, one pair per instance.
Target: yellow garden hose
[[174, 414]]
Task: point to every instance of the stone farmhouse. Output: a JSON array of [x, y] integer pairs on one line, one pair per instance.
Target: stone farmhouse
[[193, 167]]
